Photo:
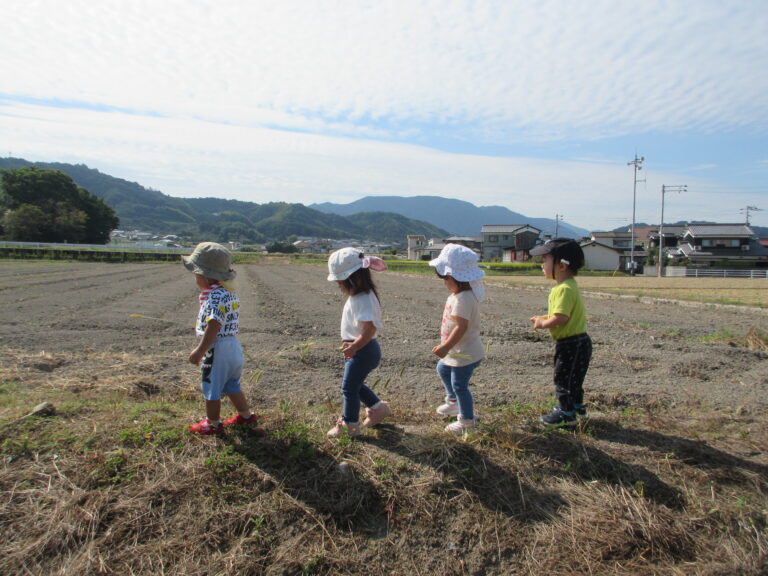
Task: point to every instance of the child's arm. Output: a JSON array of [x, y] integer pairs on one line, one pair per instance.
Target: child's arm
[[453, 338], [549, 321], [211, 331], [349, 349]]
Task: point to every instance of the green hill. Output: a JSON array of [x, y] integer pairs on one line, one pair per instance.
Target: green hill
[[224, 220]]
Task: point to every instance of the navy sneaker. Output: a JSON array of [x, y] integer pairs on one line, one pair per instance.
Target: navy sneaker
[[581, 411], [559, 418]]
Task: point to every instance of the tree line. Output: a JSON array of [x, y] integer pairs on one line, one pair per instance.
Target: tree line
[[38, 205]]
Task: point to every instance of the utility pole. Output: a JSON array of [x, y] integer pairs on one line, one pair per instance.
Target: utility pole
[[749, 209], [638, 164], [558, 219], [664, 190]]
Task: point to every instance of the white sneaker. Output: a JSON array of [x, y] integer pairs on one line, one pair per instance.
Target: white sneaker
[[336, 431], [448, 409], [460, 426]]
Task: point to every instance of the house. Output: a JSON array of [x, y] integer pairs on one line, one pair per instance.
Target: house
[[417, 243], [619, 240], [622, 243], [708, 245], [419, 248], [472, 242], [599, 256], [508, 242], [671, 235]]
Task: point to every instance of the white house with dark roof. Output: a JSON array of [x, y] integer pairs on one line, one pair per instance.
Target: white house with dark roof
[[714, 244]]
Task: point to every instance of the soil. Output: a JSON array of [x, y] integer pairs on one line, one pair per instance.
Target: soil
[[644, 353]]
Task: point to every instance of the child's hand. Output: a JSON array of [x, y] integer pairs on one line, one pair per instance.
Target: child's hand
[[440, 351], [348, 350], [537, 322], [195, 356]]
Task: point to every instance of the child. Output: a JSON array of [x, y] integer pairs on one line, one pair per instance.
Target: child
[[567, 323], [218, 347], [360, 320], [460, 350]]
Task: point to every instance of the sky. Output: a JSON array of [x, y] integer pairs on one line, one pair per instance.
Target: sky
[[535, 105]]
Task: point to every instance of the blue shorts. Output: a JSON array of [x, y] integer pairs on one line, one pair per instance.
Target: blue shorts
[[221, 368]]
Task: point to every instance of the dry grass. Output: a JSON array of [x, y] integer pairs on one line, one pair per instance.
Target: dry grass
[[111, 484], [740, 291]]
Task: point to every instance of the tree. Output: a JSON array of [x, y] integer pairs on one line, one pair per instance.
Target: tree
[[47, 206], [27, 223], [282, 247]]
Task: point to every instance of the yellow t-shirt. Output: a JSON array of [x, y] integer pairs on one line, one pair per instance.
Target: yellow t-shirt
[[565, 298]]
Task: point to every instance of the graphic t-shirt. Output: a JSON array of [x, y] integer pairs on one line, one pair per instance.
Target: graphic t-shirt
[[565, 298], [470, 348], [362, 307], [218, 303]]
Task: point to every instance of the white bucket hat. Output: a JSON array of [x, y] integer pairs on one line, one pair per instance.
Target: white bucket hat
[[345, 262], [211, 260], [459, 262]]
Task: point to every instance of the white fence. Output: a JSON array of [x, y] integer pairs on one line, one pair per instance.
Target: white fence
[[683, 272]]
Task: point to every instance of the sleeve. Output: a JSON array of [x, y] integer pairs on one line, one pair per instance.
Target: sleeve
[[464, 305], [562, 301], [362, 308]]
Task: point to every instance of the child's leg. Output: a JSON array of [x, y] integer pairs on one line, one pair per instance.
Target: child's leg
[[352, 387], [446, 377], [460, 377], [240, 403], [372, 355], [583, 358], [213, 410], [571, 363]]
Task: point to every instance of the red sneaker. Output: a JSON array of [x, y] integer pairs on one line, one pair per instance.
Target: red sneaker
[[206, 428], [238, 420]]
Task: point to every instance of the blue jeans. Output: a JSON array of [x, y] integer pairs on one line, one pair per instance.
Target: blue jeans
[[456, 382], [356, 369]]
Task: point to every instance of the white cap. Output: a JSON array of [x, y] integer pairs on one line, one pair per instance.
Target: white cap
[[343, 263]]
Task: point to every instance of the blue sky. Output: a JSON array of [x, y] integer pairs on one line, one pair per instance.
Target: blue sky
[[536, 106]]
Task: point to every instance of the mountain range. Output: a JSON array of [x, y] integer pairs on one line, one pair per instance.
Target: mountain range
[[145, 209], [460, 218]]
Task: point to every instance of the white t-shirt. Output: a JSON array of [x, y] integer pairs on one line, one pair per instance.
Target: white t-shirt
[[362, 307], [221, 305], [470, 348]]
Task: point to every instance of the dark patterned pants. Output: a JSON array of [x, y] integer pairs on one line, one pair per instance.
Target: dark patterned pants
[[572, 356]]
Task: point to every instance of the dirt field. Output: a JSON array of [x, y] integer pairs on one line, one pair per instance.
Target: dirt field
[[668, 477], [644, 351]]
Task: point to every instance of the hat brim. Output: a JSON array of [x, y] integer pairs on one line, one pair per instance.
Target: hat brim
[[444, 269], [541, 250], [343, 275], [194, 267]]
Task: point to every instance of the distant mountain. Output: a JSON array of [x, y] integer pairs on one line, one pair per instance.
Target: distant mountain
[[218, 219], [460, 218]]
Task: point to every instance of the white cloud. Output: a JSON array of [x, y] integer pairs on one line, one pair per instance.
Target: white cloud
[[513, 68], [328, 101], [196, 158]]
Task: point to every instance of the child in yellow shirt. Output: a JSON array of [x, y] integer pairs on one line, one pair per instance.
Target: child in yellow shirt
[[566, 321]]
